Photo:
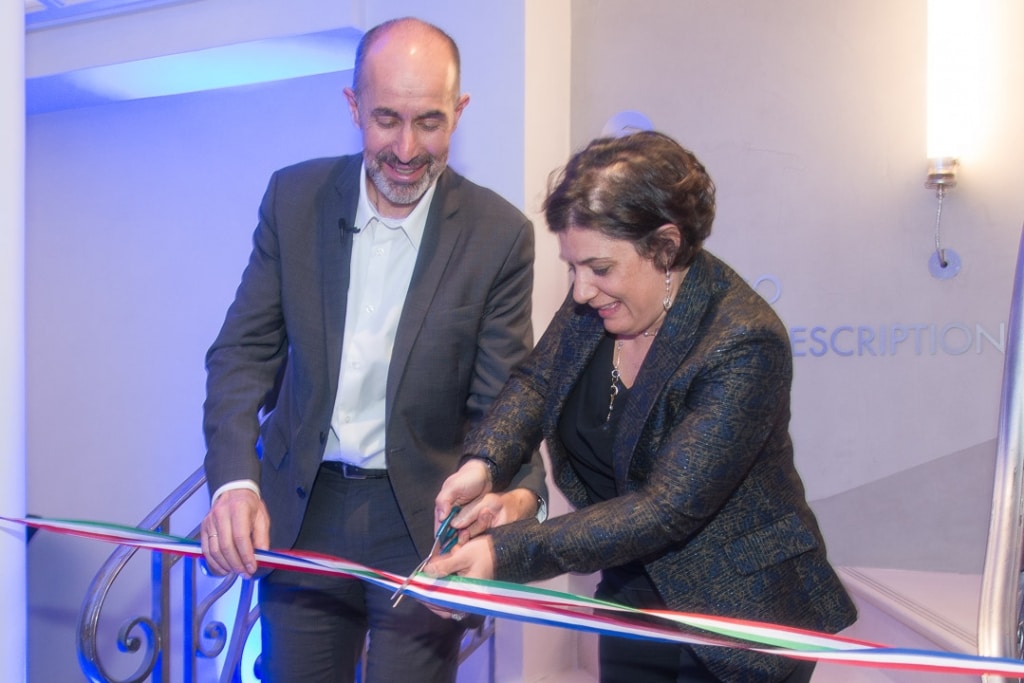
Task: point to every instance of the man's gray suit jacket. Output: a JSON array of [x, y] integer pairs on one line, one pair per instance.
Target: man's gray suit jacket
[[464, 325]]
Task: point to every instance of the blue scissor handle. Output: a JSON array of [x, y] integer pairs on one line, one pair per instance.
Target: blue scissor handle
[[447, 535]]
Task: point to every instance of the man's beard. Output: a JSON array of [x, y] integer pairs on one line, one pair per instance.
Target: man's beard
[[403, 194]]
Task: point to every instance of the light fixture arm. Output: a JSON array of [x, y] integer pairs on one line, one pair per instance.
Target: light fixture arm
[[940, 192], [942, 176]]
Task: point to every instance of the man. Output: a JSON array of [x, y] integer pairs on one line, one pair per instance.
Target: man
[[385, 301]]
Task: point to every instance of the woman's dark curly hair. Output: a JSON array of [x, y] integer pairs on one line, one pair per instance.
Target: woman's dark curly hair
[[628, 187]]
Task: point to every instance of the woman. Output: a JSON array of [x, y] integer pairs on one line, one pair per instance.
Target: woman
[[661, 389]]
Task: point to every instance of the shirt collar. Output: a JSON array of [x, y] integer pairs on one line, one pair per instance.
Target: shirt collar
[[412, 225]]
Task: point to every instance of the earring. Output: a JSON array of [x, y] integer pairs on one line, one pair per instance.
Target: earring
[[667, 301]]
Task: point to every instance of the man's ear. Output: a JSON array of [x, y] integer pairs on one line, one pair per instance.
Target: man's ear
[[459, 106], [353, 106]]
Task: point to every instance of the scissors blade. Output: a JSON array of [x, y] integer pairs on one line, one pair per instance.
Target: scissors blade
[[443, 541], [396, 597]]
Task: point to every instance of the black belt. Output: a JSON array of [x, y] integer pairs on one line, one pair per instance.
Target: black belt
[[353, 472]]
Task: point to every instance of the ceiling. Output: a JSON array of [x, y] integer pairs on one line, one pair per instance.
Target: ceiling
[[46, 13], [242, 63]]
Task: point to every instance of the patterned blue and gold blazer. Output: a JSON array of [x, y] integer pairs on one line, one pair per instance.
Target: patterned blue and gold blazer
[[709, 498]]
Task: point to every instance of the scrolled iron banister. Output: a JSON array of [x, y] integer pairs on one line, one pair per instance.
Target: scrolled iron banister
[[245, 620], [153, 630], [149, 636], [88, 626], [1000, 617], [213, 631], [207, 637]]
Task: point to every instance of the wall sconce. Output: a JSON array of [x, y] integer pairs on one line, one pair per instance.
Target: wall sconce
[[958, 32], [944, 263]]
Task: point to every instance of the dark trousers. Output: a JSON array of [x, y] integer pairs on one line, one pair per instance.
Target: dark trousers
[[625, 660], [314, 626]]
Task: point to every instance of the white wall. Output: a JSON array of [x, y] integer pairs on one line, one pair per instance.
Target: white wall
[[12, 346], [810, 116], [528, 653]]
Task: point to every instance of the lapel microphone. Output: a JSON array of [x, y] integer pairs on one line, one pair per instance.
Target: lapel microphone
[[345, 227]]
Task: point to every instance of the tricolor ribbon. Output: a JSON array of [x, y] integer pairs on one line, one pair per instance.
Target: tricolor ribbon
[[553, 608]]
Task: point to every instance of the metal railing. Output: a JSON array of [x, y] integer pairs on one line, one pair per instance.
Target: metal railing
[[1000, 618], [149, 638]]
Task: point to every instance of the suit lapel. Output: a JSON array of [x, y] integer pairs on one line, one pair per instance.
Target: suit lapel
[[440, 235], [337, 207]]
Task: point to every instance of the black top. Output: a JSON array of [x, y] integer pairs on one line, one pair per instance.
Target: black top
[[588, 432], [585, 426]]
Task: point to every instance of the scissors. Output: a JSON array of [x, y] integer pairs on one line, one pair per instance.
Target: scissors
[[444, 540]]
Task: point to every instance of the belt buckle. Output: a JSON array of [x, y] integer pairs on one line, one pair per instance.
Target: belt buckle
[[352, 472]]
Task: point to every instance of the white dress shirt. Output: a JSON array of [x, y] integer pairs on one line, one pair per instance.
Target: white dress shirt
[[383, 257]]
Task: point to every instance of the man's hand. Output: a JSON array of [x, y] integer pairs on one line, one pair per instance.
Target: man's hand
[[470, 487], [471, 481], [494, 509], [237, 524]]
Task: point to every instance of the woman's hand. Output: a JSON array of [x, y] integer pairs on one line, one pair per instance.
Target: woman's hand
[[494, 509], [474, 559]]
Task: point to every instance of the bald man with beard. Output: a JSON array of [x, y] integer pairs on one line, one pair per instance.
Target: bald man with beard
[[385, 302]]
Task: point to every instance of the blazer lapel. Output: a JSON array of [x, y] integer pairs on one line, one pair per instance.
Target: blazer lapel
[[673, 344], [583, 336]]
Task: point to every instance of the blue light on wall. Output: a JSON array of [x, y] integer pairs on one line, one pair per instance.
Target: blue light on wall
[[220, 67]]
